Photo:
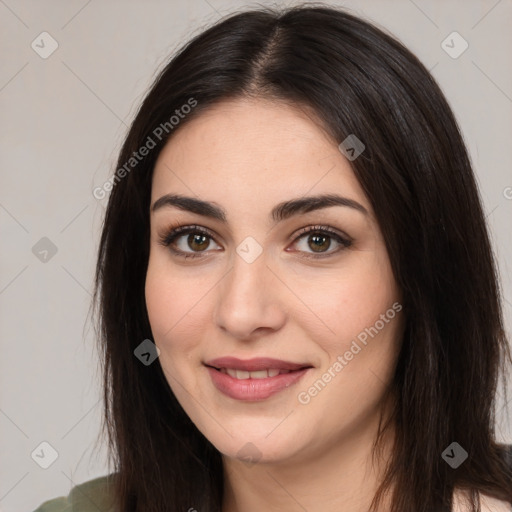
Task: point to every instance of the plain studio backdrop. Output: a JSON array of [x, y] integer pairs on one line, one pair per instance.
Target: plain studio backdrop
[[71, 78]]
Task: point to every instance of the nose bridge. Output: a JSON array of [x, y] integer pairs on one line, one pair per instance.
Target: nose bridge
[[246, 280], [246, 299], [249, 272]]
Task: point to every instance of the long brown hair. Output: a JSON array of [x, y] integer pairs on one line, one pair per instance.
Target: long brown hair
[[416, 173]]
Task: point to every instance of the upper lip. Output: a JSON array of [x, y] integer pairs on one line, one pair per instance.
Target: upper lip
[[255, 364]]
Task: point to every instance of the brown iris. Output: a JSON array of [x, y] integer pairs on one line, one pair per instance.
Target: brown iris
[[319, 242], [198, 242]]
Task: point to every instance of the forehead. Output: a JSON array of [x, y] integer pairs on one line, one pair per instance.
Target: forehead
[[241, 148]]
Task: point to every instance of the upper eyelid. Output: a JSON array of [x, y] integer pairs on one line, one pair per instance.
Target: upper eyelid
[[322, 228], [176, 232]]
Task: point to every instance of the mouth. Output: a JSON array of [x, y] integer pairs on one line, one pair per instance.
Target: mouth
[[258, 374], [254, 379]]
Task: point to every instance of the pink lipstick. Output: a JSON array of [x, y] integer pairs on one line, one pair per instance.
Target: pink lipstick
[[254, 379]]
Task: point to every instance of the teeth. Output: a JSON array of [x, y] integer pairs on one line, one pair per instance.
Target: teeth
[[259, 374]]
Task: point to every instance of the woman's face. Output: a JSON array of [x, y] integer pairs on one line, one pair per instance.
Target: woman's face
[[300, 293]]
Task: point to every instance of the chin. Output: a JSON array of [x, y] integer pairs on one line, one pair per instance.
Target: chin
[[257, 445]]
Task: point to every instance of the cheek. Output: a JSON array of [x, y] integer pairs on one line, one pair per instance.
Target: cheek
[[176, 309], [176, 316], [356, 370], [347, 301], [359, 333]]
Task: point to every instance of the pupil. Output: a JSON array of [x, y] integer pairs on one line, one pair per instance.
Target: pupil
[[201, 241], [319, 242]]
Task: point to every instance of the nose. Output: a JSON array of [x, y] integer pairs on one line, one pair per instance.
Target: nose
[[248, 301]]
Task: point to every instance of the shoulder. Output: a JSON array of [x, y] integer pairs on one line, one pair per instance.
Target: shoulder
[[91, 496], [488, 504], [493, 505]]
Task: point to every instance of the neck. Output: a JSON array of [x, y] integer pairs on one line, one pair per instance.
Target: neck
[[341, 477]]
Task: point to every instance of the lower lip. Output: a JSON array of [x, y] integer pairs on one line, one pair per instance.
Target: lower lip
[[253, 389]]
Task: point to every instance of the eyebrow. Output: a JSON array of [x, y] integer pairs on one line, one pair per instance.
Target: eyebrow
[[280, 212]]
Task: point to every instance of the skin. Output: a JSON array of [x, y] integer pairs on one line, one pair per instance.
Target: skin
[[247, 156]]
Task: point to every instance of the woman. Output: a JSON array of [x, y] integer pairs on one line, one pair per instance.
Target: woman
[[297, 294]]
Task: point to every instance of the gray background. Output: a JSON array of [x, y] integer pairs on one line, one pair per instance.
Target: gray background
[[63, 120]]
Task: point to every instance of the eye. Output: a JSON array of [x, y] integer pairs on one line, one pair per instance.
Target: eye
[[312, 241], [187, 241], [315, 241]]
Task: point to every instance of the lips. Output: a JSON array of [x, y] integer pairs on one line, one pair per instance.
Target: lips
[[253, 365], [254, 379]]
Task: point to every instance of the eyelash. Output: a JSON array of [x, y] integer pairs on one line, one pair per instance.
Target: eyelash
[[175, 232]]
